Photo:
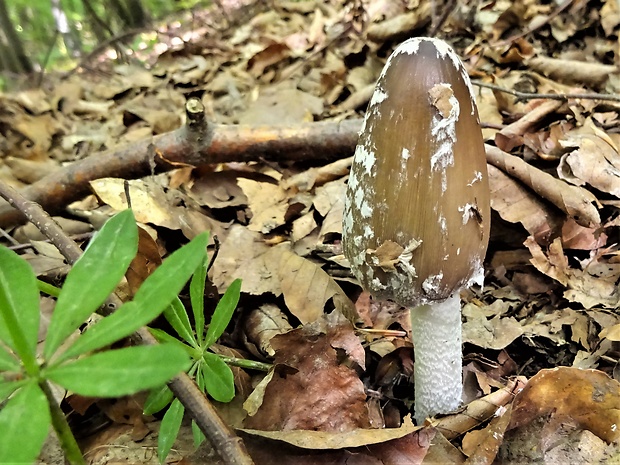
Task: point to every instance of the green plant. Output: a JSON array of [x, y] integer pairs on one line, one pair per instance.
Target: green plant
[[73, 363], [210, 372]]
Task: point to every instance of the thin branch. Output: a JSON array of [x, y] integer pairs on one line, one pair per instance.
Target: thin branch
[[44, 223], [439, 21], [563, 96], [9, 238], [17, 247], [193, 144]]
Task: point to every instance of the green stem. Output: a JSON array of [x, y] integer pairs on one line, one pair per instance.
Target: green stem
[[70, 447], [244, 363], [47, 288]]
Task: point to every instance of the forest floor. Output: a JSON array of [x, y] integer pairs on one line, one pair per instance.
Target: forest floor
[[540, 337]]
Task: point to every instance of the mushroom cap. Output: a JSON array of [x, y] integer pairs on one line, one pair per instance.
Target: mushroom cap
[[417, 215]]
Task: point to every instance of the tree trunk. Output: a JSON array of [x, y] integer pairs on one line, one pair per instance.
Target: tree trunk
[[15, 58]]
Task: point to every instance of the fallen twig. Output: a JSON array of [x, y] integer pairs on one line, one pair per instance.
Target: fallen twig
[[199, 144], [193, 144]]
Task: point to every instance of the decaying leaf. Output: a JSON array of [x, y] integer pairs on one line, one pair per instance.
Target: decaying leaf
[[578, 203], [145, 262], [596, 161], [515, 203], [594, 284], [495, 333], [323, 393], [481, 446], [480, 410], [329, 202], [268, 203], [305, 285], [588, 399], [262, 324]]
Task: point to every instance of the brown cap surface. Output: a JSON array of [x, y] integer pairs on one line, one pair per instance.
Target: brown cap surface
[[417, 215]]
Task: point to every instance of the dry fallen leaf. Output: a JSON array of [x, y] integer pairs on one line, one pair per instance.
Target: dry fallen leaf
[[596, 162], [495, 333], [268, 203], [278, 270], [577, 202], [579, 399], [314, 389], [595, 284]]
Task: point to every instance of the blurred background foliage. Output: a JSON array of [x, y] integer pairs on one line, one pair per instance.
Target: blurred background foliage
[[37, 35]]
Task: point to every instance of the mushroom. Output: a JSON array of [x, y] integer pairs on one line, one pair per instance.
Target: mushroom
[[416, 215]]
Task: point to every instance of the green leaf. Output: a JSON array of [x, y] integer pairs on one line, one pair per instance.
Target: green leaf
[[158, 398], [151, 299], [165, 283], [93, 277], [218, 378], [19, 307], [197, 295], [124, 321], [169, 429], [8, 362], [163, 336], [199, 436], [223, 312], [25, 422], [177, 316], [199, 377], [121, 372], [9, 387]]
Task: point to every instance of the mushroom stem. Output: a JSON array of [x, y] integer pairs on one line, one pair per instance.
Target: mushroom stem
[[436, 335]]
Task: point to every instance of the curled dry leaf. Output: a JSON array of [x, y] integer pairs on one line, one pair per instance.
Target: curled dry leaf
[[329, 202], [152, 204], [517, 204], [245, 255], [596, 162], [593, 285], [338, 440], [574, 201], [414, 448], [281, 105], [575, 236], [264, 323], [219, 189], [612, 333], [510, 136], [268, 203], [149, 202], [400, 25], [495, 333], [316, 177], [481, 446], [588, 398], [144, 263], [303, 226]]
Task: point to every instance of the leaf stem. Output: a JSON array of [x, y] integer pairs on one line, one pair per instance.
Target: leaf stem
[[47, 288], [245, 363], [72, 451]]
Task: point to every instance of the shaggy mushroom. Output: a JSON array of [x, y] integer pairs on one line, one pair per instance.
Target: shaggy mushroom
[[416, 216]]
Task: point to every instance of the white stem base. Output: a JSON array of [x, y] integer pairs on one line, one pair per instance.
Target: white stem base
[[436, 335]]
